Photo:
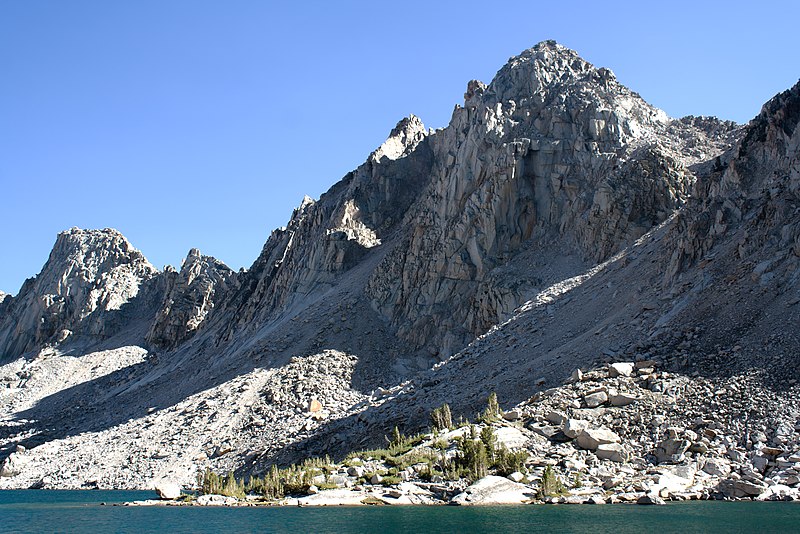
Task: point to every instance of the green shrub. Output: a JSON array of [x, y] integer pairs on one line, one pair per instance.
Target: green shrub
[[293, 480], [478, 452], [401, 444], [428, 473], [440, 444], [489, 441], [324, 463], [398, 445], [441, 418], [397, 438], [507, 462], [212, 483], [412, 458], [373, 454], [270, 486], [492, 412], [472, 460], [550, 485], [391, 480]]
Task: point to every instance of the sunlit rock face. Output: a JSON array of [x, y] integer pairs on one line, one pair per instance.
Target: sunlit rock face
[[553, 150], [90, 276]]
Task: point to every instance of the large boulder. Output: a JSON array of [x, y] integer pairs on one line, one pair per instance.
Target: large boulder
[[355, 471], [672, 449], [718, 467], [611, 451], [13, 465], [216, 500], [592, 438], [332, 497], [650, 498], [493, 490], [593, 400], [668, 482], [555, 417], [622, 399], [620, 369], [741, 488], [573, 427], [511, 437], [746, 488], [168, 490], [779, 492]]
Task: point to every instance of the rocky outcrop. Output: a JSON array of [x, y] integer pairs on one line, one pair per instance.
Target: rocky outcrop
[[493, 490], [90, 275], [752, 190], [168, 490], [202, 283], [683, 439], [552, 149]]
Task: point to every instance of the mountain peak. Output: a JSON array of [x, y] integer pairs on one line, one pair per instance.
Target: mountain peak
[[307, 201], [408, 132], [95, 251], [201, 284], [83, 233], [543, 67], [81, 241], [88, 273]]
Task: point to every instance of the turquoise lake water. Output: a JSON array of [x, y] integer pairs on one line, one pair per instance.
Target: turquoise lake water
[[81, 511]]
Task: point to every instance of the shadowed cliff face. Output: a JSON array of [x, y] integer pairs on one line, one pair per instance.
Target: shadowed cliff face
[[754, 188], [324, 239]]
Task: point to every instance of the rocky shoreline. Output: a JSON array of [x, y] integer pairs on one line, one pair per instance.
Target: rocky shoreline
[[624, 433]]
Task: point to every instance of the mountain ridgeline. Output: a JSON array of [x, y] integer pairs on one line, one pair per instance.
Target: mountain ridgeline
[[552, 151], [558, 221]]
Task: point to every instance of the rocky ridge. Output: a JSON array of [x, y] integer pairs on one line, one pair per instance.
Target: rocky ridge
[[558, 223], [202, 283]]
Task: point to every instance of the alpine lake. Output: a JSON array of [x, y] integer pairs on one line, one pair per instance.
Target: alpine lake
[[103, 511]]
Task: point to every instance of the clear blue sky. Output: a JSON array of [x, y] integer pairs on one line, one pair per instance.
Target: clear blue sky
[[192, 123]]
